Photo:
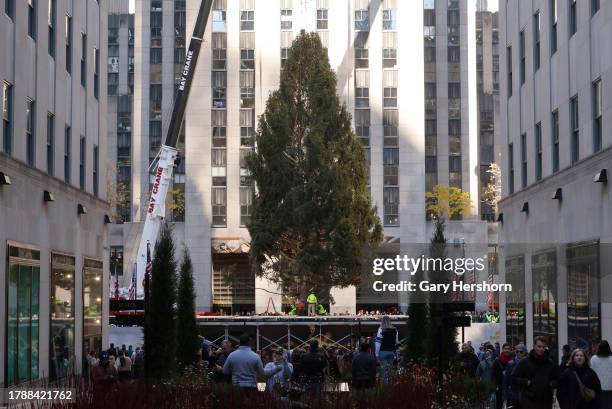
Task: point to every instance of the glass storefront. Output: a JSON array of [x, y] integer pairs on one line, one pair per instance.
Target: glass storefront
[[544, 279], [61, 349], [23, 283], [583, 298], [92, 306], [515, 300]]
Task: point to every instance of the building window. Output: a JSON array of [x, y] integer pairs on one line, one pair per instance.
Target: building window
[[511, 167], [7, 116], [32, 19], [361, 50], [573, 17], [583, 296], [389, 20], [50, 142], [246, 205], [286, 19], [509, 68], [247, 89], [82, 156], [219, 123], [538, 151], [247, 59], [68, 39], [247, 127], [219, 24], [61, 305], [219, 208], [391, 166], [92, 305], [575, 124], [51, 24], [544, 284], [244, 171], [96, 56], [515, 301], [454, 54], [362, 20], [391, 206], [389, 50], [553, 26], [322, 19], [219, 51], [390, 97], [23, 308], [96, 170], [536, 41], [219, 166], [362, 123], [390, 122], [362, 97], [555, 140], [247, 20], [30, 132], [155, 55], [430, 99], [9, 8], [67, 151], [522, 55], [594, 7], [219, 84], [83, 59], [597, 116]]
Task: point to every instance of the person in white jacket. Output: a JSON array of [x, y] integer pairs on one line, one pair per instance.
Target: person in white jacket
[[602, 365]]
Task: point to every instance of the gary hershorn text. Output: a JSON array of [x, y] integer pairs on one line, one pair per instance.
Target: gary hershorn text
[[426, 286]]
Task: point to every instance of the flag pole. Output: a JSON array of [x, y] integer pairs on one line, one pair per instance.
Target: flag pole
[[147, 279]]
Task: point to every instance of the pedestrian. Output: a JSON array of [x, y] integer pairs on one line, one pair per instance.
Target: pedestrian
[[244, 366], [312, 303], [579, 386], [125, 366], [387, 340], [312, 366], [278, 384], [467, 361], [564, 358], [226, 349], [484, 372], [130, 351], [364, 368], [537, 375], [499, 368], [138, 363], [103, 377], [511, 392], [602, 365]]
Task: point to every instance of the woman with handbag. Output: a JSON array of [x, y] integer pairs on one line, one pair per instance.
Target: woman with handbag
[[579, 386]]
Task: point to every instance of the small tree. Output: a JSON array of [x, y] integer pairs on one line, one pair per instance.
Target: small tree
[[186, 326], [447, 202], [160, 332], [493, 190]]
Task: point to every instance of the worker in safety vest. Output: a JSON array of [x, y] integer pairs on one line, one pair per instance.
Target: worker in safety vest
[[321, 309], [312, 303], [293, 311]]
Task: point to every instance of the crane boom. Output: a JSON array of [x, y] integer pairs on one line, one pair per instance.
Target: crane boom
[[156, 209]]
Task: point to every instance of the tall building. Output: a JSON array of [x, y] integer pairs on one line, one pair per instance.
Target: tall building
[[53, 230], [556, 116], [407, 72]]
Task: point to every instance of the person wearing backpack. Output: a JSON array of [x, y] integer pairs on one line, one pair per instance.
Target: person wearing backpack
[[579, 386]]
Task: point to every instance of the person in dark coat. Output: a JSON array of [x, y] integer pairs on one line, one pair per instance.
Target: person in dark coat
[[537, 376], [499, 368], [364, 368], [564, 357], [467, 361], [312, 367], [568, 394]]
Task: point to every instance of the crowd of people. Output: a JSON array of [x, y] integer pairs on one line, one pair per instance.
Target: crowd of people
[[527, 379], [114, 365], [305, 371]]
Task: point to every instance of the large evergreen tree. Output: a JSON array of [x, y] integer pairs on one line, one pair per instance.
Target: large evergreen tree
[[418, 323], [160, 332], [312, 224], [441, 339], [188, 342]]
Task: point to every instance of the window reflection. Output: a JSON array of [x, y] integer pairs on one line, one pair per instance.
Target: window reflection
[[544, 277], [515, 300], [61, 353]]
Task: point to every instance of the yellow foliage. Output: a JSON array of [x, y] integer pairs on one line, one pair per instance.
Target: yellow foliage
[[447, 202]]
